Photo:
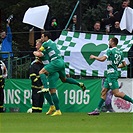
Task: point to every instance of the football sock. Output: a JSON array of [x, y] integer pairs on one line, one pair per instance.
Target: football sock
[[101, 103], [55, 100], [127, 98], [48, 98], [72, 81], [44, 80]]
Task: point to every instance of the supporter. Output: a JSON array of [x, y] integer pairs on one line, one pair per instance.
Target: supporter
[[7, 47], [54, 29], [112, 17], [97, 27], [74, 25], [119, 14], [107, 21], [116, 29]]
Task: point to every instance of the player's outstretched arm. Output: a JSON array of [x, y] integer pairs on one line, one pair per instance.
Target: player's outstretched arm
[[102, 58]]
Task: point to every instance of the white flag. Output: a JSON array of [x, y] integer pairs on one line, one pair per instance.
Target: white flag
[[36, 16], [127, 20]]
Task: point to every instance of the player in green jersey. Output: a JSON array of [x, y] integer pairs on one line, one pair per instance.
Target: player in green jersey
[[56, 64], [115, 60]]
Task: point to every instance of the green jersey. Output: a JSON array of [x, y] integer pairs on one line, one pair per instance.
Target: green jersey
[[51, 50], [56, 66], [45, 58], [114, 58]]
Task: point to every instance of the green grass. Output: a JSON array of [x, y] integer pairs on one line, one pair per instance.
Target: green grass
[[67, 123]]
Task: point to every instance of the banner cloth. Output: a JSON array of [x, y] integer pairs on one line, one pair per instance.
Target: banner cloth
[[76, 49], [71, 97]]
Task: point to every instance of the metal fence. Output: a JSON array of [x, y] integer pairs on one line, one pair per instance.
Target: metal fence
[[20, 66]]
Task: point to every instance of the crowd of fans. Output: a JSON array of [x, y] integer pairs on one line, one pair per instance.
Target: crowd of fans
[[109, 24]]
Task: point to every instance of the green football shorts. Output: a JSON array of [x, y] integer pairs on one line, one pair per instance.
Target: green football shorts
[[52, 79], [111, 83], [57, 65]]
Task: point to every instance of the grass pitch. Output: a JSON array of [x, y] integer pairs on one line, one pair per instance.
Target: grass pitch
[[67, 123]]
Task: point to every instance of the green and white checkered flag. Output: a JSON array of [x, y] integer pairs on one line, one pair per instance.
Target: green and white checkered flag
[[76, 49]]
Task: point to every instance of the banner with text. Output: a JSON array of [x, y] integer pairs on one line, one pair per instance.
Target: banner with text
[[71, 97]]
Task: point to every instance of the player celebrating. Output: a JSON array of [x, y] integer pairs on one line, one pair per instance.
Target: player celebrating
[[115, 60]]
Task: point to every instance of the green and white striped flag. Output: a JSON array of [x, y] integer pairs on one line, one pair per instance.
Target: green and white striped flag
[[76, 49]]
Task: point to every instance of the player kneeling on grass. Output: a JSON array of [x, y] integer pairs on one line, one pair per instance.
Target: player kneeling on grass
[[115, 60]]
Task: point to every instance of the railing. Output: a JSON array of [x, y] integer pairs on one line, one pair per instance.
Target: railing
[[19, 65]]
